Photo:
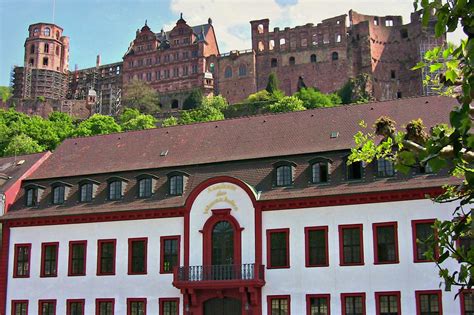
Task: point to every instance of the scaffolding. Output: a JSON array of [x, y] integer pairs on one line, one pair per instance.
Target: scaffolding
[[430, 87], [27, 73]]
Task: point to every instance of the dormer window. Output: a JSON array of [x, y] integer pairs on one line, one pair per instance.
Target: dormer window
[[87, 189], [320, 171], [59, 192], [33, 195], [354, 171], [284, 173], [116, 188], [385, 168], [177, 182], [146, 184]]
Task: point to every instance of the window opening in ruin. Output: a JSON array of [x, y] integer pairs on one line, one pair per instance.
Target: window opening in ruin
[[271, 44], [399, 94], [313, 58], [32, 49], [260, 28], [274, 63], [32, 61], [242, 70], [174, 103], [404, 33], [392, 74], [291, 61], [334, 56], [228, 72], [293, 43], [304, 42], [45, 61], [315, 39], [338, 38], [389, 22], [326, 39], [282, 43], [261, 46], [376, 21]]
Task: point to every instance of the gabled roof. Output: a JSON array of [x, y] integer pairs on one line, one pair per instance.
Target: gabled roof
[[13, 168], [243, 138], [197, 30]]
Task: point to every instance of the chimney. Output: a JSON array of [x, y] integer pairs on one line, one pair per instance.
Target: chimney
[[97, 62]]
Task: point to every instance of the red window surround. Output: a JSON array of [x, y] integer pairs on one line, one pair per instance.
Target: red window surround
[[131, 241], [98, 303], [42, 303], [71, 271], [162, 302], [323, 296], [287, 235], [71, 301], [130, 301], [375, 226], [43, 272], [307, 231], [423, 292], [16, 262], [346, 295], [462, 298], [270, 298], [162, 252], [388, 293], [101, 243], [341, 244], [19, 303], [414, 224]]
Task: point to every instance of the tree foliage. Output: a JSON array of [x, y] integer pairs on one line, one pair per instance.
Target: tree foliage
[[141, 96], [193, 100], [22, 144], [444, 148], [314, 99], [132, 119], [97, 125], [272, 84], [5, 93], [286, 104]]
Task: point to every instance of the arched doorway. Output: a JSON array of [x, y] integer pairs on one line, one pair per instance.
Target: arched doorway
[[224, 306], [222, 244], [174, 103]]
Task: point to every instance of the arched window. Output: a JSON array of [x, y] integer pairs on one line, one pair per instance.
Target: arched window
[[32, 61], [58, 195], [291, 61], [284, 175], [260, 28], [313, 58], [176, 185], [355, 171], [334, 56], [47, 31], [145, 187], [320, 172], [45, 61], [115, 190], [35, 32], [174, 103], [282, 42], [46, 48], [222, 243], [261, 46], [271, 44], [86, 192], [242, 70], [274, 63], [228, 72], [32, 49]]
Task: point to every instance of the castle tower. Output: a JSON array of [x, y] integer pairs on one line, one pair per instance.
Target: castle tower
[[46, 63]]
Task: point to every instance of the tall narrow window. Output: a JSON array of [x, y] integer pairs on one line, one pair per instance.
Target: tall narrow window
[[334, 56], [47, 307], [313, 58], [284, 175], [86, 192], [385, 168], [137, 256], [353, 303], [428, 302], [278, 248], [176, 185], [106, 257], [32, 49], [58, 195], [46, 48], [385, 243], [77, 258], [467, 302], [169, 253], [317, 304], [242, 70], [422, 231], [292, 61], [47, 31], [75, 307], [31, 198], [320, 172], [274, 63], [228, 72], [20, 307], [387, 303], [49, 259], [169, 306], [22, 256], [45, 61], [354, 171], [104, 306], [115, 190], [136, 306], [351, 247], [145, 187], [317, 246], [278, 304]]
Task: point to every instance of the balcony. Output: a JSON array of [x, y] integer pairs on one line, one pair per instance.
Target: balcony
[[222, 276]]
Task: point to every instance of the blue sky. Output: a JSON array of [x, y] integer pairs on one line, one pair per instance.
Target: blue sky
[[106, 27]]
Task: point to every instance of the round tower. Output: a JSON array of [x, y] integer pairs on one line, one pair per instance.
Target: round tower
[[46, 48]]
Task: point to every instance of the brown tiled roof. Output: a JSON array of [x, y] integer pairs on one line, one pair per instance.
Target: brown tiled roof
[[244, 138], [14, 167]]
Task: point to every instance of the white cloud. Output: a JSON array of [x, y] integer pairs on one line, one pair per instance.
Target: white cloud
[[231, 17]]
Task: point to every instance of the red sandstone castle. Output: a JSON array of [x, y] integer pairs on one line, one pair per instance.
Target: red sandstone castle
[[187, 57]]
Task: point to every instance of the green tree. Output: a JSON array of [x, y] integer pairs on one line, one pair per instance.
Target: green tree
[[201, 114], [131, 119], [141, 96], [97, 125], [314, 99], [22, 144], [193, 100], [286, 104], [448, 148], [170, 121], [5, 93], [217, 102], [272, 84], [62, 124]]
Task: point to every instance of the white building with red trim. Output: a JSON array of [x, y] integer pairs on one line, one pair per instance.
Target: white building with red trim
[[255, 215]]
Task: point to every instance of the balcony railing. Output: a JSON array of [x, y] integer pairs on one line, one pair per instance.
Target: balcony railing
[[220, 273]]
